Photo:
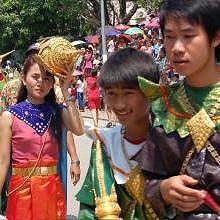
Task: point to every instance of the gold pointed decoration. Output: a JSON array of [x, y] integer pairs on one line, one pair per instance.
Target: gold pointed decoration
[[5, 55], [201, 127], [58, 56]]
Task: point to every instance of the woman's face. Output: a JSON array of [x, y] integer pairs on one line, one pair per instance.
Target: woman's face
[[38, 83]]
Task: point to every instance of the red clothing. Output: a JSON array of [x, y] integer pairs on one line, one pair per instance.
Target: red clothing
[[40, 197], [93, 94], [26, 144]]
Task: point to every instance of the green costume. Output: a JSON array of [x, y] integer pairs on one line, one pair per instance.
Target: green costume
[[186, 130], [100, 195]]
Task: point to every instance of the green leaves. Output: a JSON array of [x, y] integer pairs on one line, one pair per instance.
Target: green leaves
[[22, 22]]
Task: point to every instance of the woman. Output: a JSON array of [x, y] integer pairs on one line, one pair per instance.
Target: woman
[[31, 132], [80, 92], [93, 96], [88, 61]]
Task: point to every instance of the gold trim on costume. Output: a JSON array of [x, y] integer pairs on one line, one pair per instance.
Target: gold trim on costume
[[187, 160], [150, 211], [135, 185], [38, 171], [213, 152], [201, 127]]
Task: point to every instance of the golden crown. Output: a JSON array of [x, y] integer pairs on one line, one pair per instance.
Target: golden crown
[[58, 56]]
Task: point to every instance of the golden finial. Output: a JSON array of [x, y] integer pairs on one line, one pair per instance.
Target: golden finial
[[106, 205]]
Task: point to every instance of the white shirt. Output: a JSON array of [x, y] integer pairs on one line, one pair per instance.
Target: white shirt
[[80, 86], [118, 154]]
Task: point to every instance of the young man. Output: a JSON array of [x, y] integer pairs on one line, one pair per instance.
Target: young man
[[187, 116], [114, 186]]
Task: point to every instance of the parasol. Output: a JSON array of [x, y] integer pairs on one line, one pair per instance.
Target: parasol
[[78, 42], [92, 39], [122, 27], [134, 30]]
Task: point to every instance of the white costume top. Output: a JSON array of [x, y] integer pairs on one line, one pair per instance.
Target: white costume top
[[115, 150]]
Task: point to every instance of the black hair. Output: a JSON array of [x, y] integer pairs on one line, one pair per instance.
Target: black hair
[[203, 12], [50, 98], [124, 67]]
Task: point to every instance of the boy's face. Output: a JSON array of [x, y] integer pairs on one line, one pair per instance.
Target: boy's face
[[187, 46], [129, 104]]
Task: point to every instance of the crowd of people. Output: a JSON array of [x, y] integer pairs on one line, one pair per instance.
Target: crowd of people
[[162, 159]]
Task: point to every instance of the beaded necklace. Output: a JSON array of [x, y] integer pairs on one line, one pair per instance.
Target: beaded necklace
[[37, 116]]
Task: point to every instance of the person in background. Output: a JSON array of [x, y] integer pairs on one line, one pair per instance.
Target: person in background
[[80, 87], [88, 61], [93, 95], [80, 60]]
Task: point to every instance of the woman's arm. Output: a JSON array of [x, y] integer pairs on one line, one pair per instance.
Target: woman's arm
[[75, 163], [70, 115], [5, 145]]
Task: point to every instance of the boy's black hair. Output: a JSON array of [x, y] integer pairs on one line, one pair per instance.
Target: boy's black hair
[[124, 67], [203, 12]]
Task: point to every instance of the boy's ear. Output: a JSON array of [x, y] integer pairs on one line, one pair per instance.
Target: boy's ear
[[216, 40]]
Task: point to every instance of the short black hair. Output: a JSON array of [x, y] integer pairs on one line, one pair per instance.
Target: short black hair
[[203, 12], [123, 68]]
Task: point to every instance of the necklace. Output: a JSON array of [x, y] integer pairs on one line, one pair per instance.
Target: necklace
[[36, 116]]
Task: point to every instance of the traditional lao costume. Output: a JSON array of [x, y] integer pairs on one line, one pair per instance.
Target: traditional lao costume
[[35, 191], [114, 185], [186, 132]]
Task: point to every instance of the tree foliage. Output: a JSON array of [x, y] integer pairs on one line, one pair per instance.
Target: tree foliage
[[23, 21]]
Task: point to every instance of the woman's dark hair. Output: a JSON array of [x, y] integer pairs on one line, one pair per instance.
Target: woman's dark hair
[[124, 67], [203, 12], [94, 72], [50, 98]]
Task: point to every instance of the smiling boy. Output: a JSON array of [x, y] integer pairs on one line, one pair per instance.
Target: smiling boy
[[114, 187]]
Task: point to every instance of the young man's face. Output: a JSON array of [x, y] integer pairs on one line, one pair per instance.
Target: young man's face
[[187, 46], [129, 104]]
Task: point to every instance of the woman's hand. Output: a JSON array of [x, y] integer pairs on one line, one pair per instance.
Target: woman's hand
[[75, 173], [65, 85], [178, 191]]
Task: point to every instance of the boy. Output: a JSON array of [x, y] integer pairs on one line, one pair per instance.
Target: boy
[[186, 117], [115, 187]]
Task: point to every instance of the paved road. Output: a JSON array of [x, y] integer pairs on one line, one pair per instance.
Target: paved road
[[83, 146]]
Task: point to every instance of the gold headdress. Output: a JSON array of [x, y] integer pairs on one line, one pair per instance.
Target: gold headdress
[[57, 56]]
